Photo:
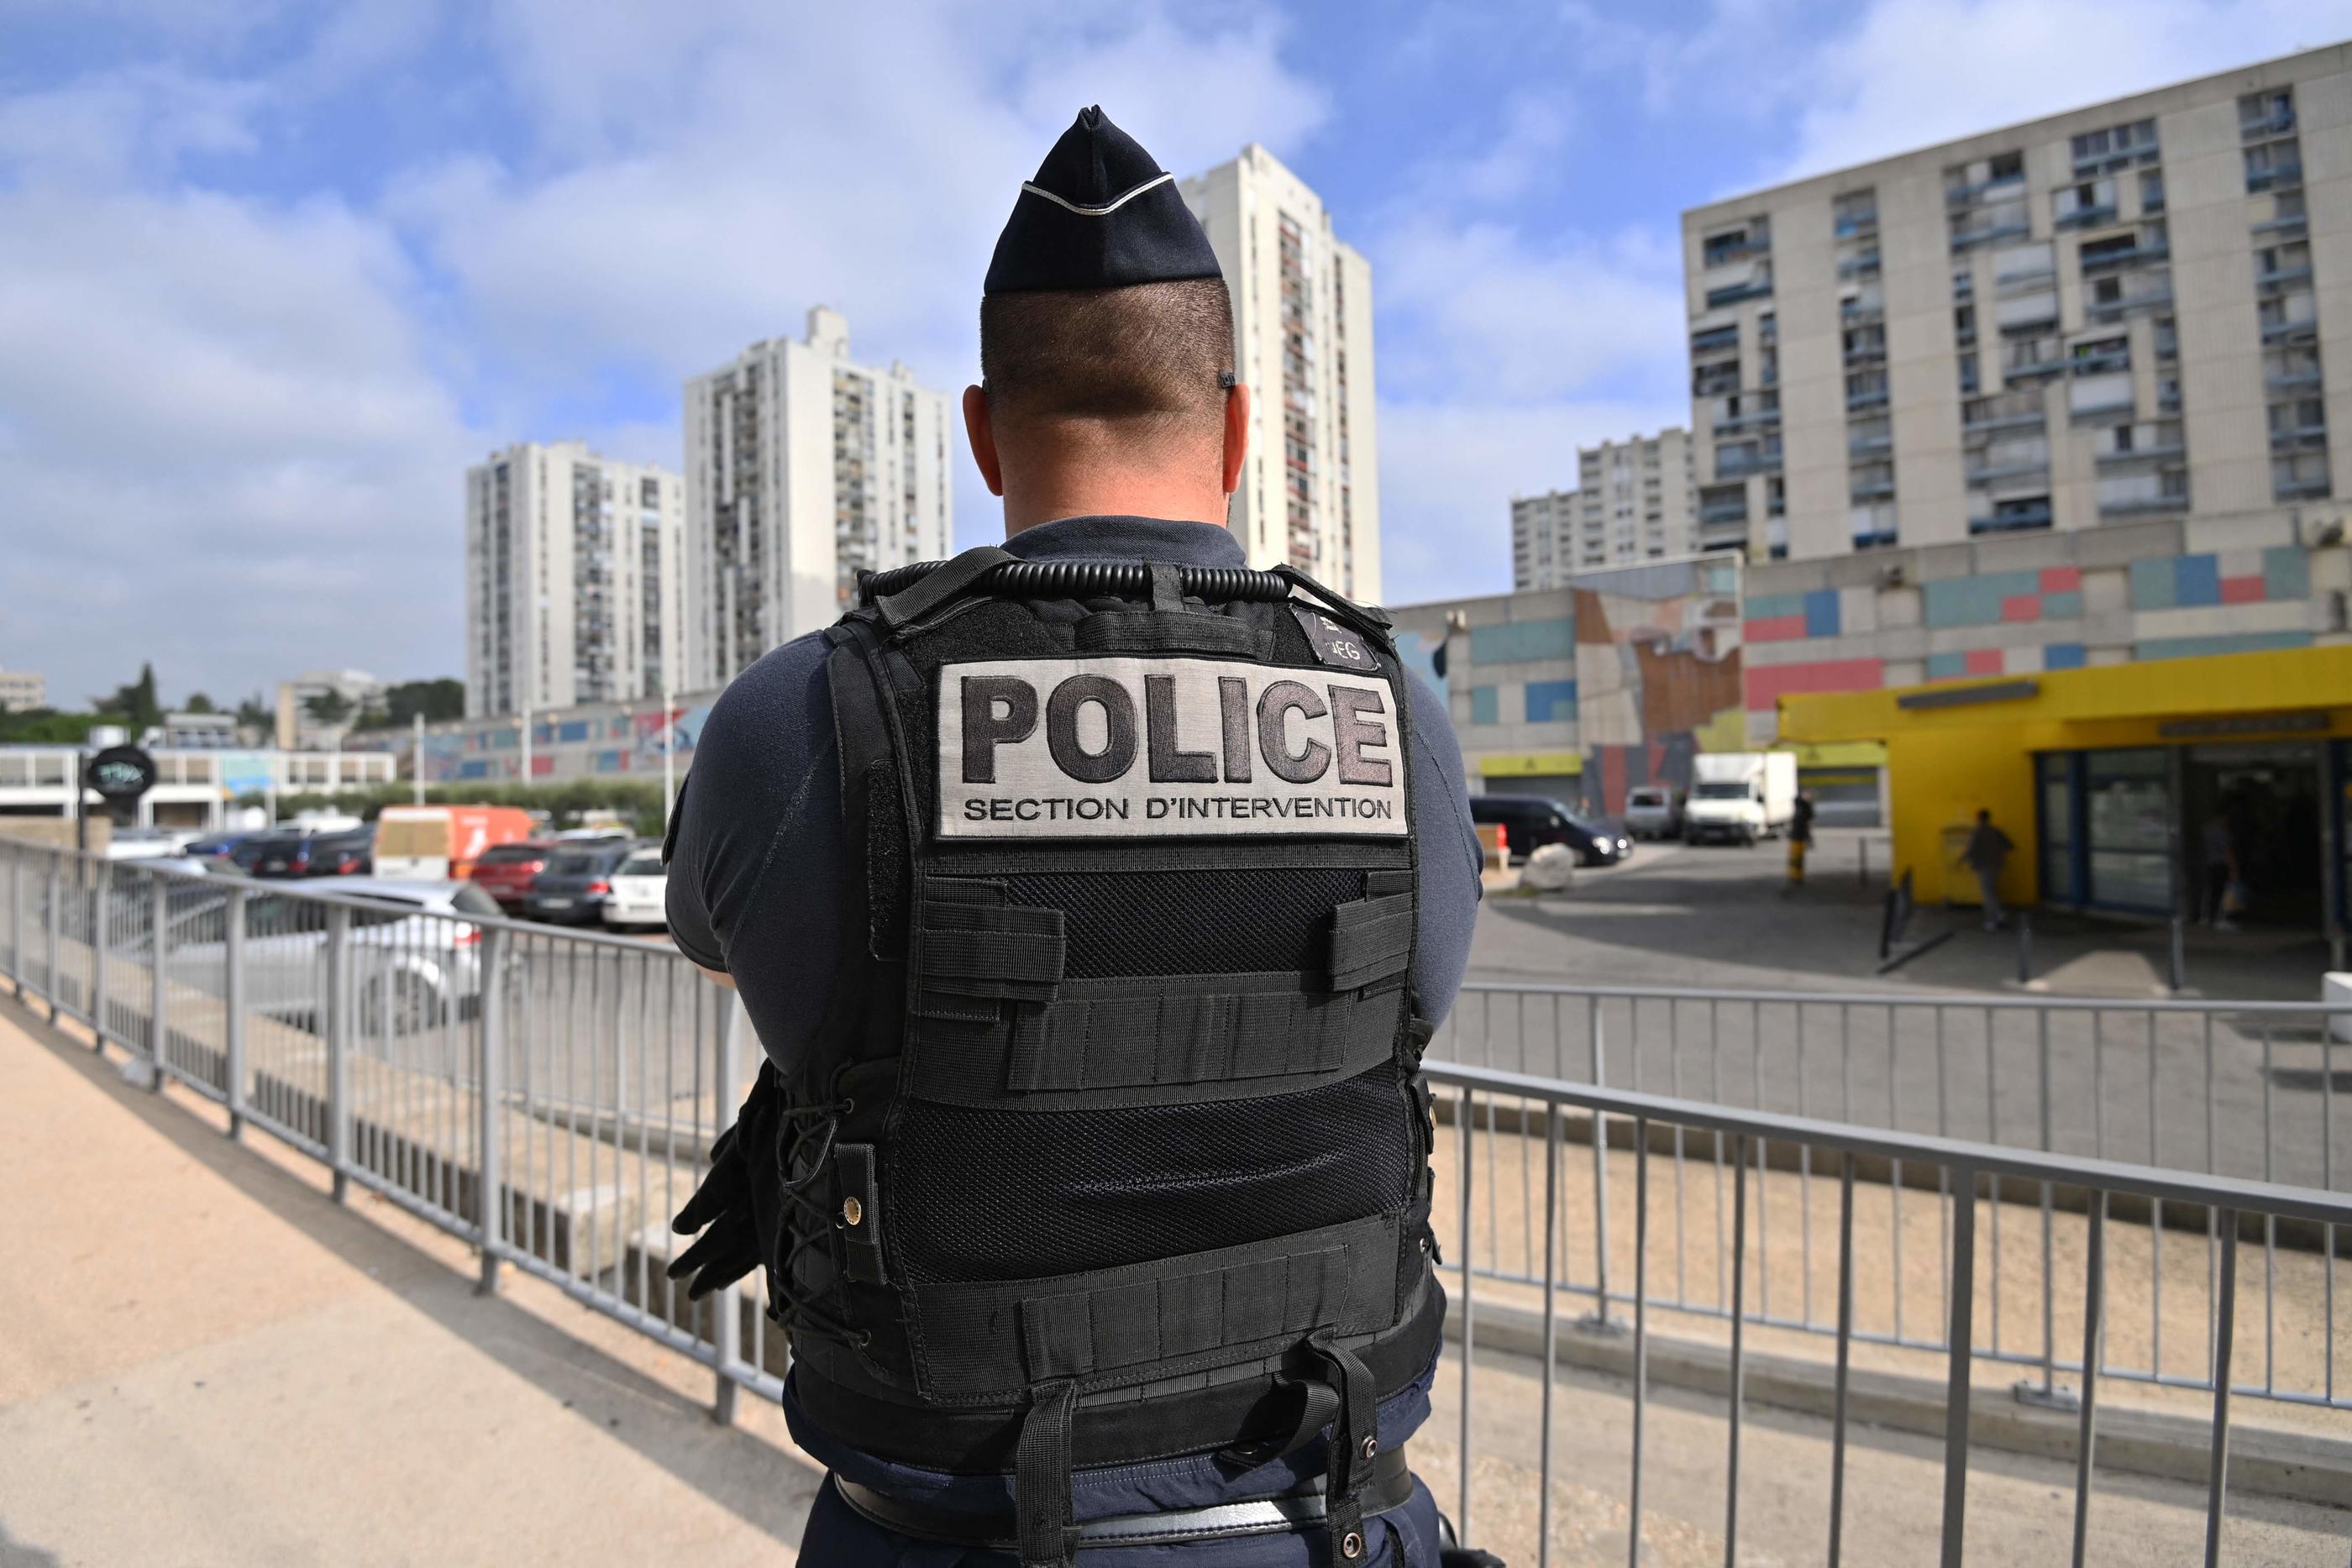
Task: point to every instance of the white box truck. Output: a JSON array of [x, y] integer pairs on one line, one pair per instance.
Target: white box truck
[[1741, 796]]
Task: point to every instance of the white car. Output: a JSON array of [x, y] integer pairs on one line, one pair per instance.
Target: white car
[[640, 894], [416, 957]]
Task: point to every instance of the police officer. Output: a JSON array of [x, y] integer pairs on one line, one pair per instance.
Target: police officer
[[1093, 898]]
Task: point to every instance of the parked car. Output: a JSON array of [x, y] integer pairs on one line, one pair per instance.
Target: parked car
[[1653, 811], [1530, 821], [343, 854], [147, 843], [218, 846], [578, 878], [415, 959], [640, 894], [505, 870]]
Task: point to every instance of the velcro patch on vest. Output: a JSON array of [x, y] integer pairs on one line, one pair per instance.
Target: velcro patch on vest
[[1166, 748]]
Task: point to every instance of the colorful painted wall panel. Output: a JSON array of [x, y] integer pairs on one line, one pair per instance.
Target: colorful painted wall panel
[[1657, 666]]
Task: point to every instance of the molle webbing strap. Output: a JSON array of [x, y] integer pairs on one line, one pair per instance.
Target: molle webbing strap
[[1143, 631], [1041, 1477], [1083, 1332], [988, 1340], [1372, 938], [1234, 1033], [1369, 617], [935, 588], [972, 951]]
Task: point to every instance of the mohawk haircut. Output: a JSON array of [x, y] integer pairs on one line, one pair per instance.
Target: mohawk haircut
[[1158, 355]]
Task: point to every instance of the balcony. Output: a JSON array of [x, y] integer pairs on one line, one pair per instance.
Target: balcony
[[2277, 122], [1723, 252], [1977, 237], [1769, 417], [2281, 277], [2084, 217], [1967, 196], [2299, 489], [1856, 226], [1863, 492], [1733, 293], [1721, 514], [1713, 339], [1739, 466], [2012, 517], [2033, 370], [2171, 451], [2095, 364], [2277, 333], [1992, 423], [1863, 265], [1869, 446], [2298, 437], [2292, 381], [2280, 177], [1980, 474], [2110, 258]]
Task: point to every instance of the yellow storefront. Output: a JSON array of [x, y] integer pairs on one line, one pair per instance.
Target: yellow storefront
[[2121, 784]]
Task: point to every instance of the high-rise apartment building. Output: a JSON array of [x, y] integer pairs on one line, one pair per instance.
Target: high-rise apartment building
[[1302, 341], [2117, 313], [1633, 501], [572, 581], [802, 469]]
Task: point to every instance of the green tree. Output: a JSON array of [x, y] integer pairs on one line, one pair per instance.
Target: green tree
[[329, 707], [252, 711], [135, 705], [198, 702], [404, 701]]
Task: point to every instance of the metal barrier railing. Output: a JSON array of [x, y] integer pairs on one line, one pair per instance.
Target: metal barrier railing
[[550, 1095], [1971, 1177]]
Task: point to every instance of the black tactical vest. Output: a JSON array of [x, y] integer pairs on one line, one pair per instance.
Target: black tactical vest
[[1114, 1146]]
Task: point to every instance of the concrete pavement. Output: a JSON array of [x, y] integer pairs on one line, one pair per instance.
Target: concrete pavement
[[204, 1361]]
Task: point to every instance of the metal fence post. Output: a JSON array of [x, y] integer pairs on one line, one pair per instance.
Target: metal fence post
[[2025, 946], [159, 1054], [100, 903], [1601, 1317], [338, 1067], [232, 1005], [489, 1092], [1959, 1339], [55, 918], [2179, 976], [17, 922], [726, 1303]]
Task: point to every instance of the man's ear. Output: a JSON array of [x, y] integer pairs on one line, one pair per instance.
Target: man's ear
[[983, 439], [1237, 413]]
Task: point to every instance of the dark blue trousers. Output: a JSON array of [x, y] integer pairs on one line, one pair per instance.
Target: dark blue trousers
[[840, 1537]]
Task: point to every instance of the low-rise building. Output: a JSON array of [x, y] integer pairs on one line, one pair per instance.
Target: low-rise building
[[22, 689]]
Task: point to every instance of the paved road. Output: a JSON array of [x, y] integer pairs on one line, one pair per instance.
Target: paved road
[[1723, 919]]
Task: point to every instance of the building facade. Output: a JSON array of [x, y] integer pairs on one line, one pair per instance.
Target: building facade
[[302, 725], [572, 579], [22, 689], [803, 468], [2116, 314], [1302, 341], [1635, 500]]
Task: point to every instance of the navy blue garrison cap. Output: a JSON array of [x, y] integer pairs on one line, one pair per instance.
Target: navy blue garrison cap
[[1099, 214]]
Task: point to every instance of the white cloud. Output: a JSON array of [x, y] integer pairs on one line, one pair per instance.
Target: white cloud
[[1911, 73]]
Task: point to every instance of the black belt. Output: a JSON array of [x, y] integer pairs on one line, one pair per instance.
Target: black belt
[[1391, 1487]]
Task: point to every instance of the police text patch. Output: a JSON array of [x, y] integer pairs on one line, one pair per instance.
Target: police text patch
[[1165, 747]]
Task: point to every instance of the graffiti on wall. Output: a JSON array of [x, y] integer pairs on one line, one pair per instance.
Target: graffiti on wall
[[1657, 674]]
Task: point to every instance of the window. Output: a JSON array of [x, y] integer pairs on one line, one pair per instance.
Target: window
[[2006, 166], [1970, 378], [2262, 114], [2151, 190], [2274, 165], [2299, 477], [1964, 324]]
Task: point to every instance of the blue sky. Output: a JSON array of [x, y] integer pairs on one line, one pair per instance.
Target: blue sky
[[272, 274]]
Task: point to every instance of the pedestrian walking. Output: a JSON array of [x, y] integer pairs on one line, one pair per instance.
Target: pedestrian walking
[[1093, 897], [1986, 855], [1800, 837]]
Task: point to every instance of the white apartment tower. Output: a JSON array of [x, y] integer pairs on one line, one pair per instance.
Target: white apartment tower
[[571, 582], [1302, 341], [2115, 314], [1635, 500], [802, 470]]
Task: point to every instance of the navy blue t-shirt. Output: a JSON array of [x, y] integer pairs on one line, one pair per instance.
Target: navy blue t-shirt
[[755, 878]]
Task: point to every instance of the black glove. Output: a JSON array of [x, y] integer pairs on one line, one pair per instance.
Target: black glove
[[739, 1207], [1463, 1557]]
